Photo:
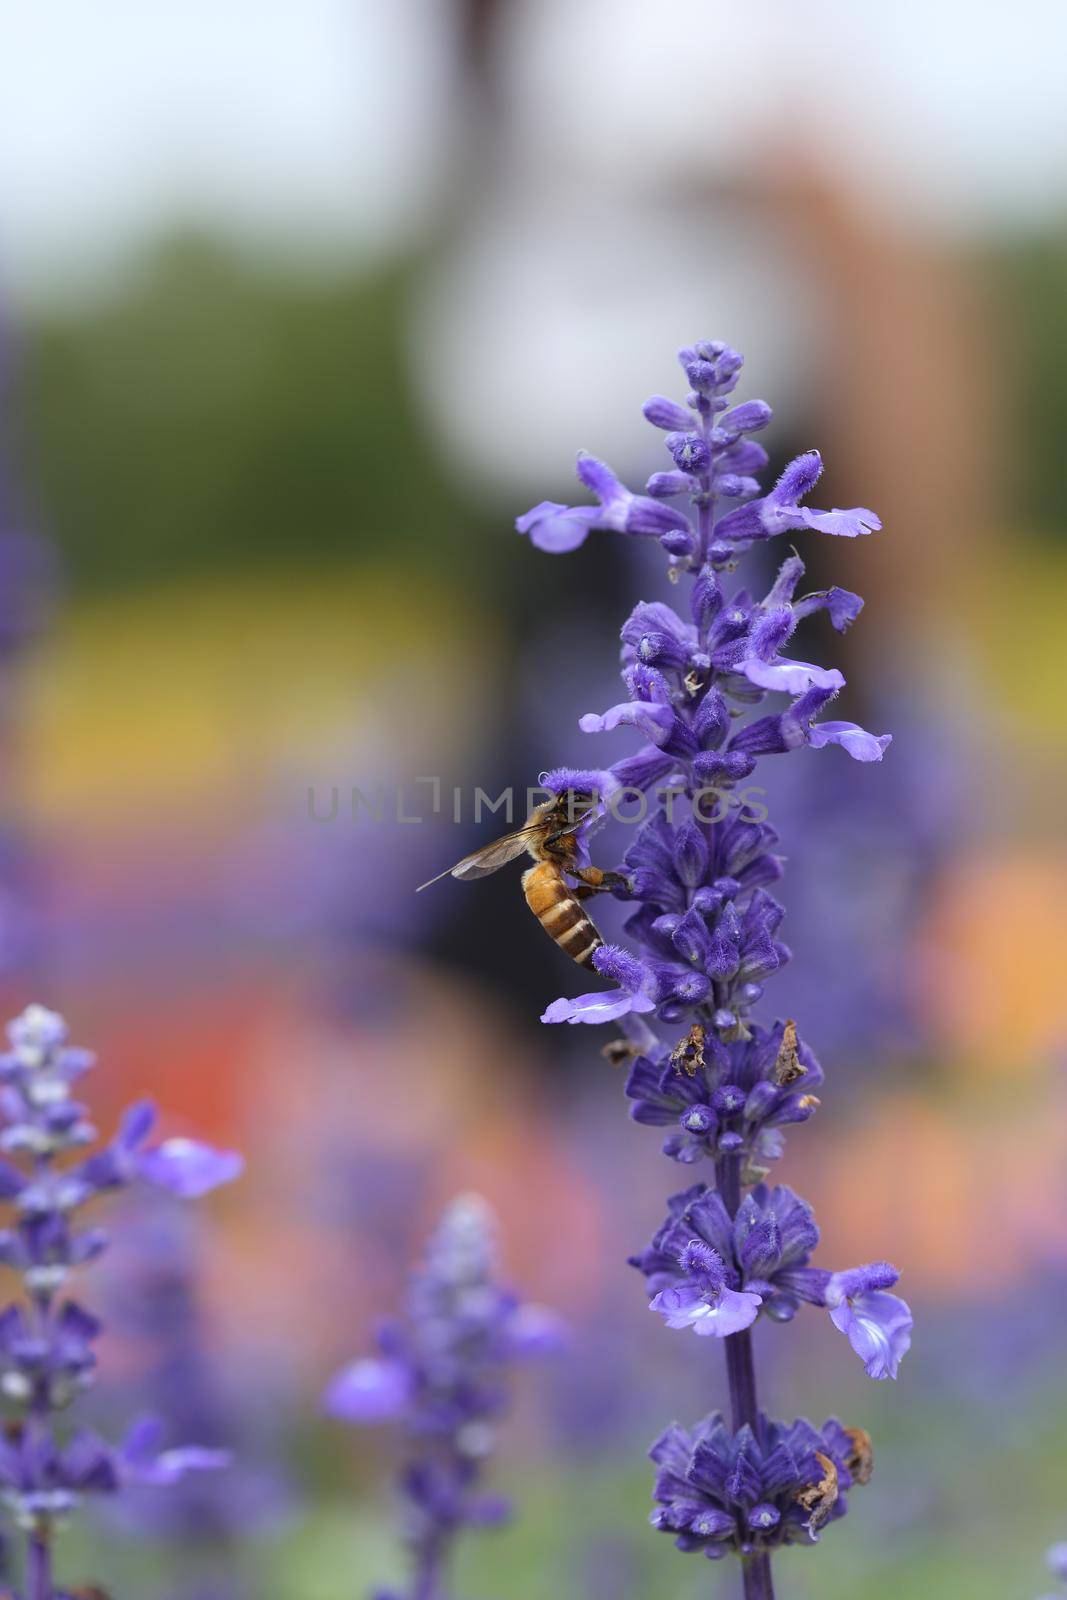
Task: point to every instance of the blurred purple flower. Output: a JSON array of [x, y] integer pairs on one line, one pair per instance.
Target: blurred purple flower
[[442, 1375], [370, 1391], [46, 1345]]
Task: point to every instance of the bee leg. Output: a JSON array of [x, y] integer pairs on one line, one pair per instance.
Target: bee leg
[[595, 881]]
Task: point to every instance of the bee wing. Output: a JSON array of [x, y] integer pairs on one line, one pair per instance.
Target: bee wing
[[490, 858]]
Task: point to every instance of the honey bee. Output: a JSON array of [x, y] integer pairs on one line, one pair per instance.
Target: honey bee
[[550, 836]]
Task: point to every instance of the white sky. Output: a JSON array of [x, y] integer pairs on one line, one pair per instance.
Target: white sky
[[286, 116], [960, 105], [331, 120]]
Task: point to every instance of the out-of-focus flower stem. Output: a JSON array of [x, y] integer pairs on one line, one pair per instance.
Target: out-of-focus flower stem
[[38, 1540], [38, 1569], [429, 1583]]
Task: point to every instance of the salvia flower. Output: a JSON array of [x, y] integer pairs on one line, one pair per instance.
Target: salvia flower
[[714, 681], [762, 1256], [442, 1374], [48, 1339], [766, 1485], [726, 1098]]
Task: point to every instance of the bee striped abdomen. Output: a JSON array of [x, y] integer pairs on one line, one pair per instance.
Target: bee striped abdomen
[[559, 913]]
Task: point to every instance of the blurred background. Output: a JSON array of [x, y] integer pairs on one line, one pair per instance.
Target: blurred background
[[300, 305]]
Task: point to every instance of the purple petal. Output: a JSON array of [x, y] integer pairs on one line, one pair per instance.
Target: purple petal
[[686, 1307], [620, 965], [791, 676], [861, 745], [666, 414], [143, 1439], [536, 1331], [142, 1461], [174, 1464], [557, 528], [748, 417], [603, 482], [878, 1327], [488, 1511], [844, 607], [798, 479], [12, 1181], [187, 1168], [137, 1123], [860, 1280], [746, 522], [653, 517], [369, 1391], [603, 1006], [845, 524], [662, 485], [655, 721]]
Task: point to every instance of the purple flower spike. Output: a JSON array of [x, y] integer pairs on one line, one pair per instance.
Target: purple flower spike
[[442, 1376], [47, 1341], [878, 1325], [702, 940], [189, 1169]]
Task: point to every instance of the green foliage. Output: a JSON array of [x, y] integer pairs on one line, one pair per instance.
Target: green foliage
[[211, 413], [1033, 275]]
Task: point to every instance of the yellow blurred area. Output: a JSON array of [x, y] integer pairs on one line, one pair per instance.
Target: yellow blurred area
[[144, 703], [1013, 605]]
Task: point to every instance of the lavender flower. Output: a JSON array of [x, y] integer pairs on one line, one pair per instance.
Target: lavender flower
[[768, 1484], [47, 1342], [703, 1257], [703, 939], [442, 1375]]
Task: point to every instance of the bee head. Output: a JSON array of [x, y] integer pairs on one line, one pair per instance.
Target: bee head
[[578, 792], [574, 805]]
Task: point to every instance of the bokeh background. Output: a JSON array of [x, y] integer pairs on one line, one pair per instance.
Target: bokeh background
[[299, 306]]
